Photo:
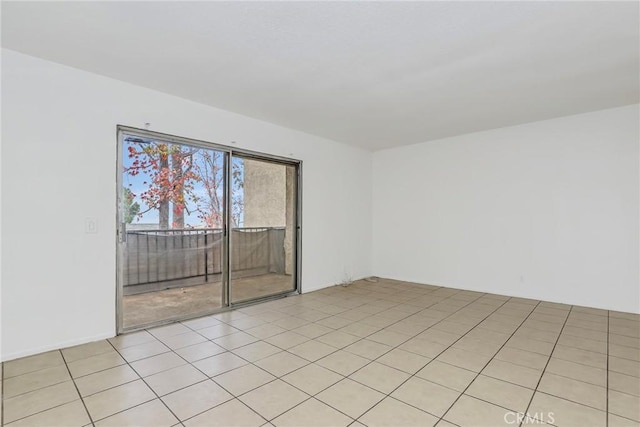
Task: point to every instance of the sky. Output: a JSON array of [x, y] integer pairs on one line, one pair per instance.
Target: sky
[[137, 185]]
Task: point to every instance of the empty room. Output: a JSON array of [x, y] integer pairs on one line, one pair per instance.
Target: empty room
[[353, 213]]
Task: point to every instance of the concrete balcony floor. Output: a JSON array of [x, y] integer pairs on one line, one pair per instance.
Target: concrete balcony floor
[[190, 301]]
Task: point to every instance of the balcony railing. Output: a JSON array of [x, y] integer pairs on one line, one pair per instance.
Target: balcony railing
[[160, 259]]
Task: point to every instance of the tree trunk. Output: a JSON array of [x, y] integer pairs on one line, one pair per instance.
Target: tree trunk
[[163, 208], [178, 191]]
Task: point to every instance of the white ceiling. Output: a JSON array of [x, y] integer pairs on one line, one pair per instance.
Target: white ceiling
[[372, 74]]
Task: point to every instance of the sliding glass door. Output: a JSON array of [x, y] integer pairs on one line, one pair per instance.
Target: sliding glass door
[[263, 252], [200, 227]]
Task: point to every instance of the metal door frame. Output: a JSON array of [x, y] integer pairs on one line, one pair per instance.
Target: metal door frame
[[226, 252]]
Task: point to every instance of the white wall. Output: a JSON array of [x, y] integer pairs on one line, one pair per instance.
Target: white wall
[[546, 210], [59, 166]]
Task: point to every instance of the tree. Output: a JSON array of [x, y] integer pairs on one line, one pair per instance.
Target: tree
[[183, 179], [130, 208], [168, 185], [209, 168]]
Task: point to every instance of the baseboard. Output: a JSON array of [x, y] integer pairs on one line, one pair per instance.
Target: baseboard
[[64, 344]]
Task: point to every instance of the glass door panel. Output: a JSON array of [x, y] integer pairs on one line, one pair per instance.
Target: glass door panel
[[263, 228], [171, 235]]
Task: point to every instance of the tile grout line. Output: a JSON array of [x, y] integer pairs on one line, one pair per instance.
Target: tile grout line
[[370, 361], [432, 359], [142, 379], [486, 364], [66, 365], [547, 364]]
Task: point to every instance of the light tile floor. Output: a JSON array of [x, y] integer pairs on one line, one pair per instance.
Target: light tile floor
[[375, 354]]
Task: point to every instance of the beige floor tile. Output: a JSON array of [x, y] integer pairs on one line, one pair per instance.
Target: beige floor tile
[[338, 339], [624, 405], [86, 350], [447, 375], [256, 351], [624, 340], [472, 361], [574, 390], [244, 379], [174, 379], [230, 414], [430, 397], [523, 358], [190, 401], [617, 421], [624, 352], [281, 363], [235, 340], [585, 357], [312, 413], [199, 351], [350, 397], [334, 322], [585, 333], [380, 377], [201, 322], [287, 340], [36, 401], [404, 360], [183, 340], [564, 412], [312, 350], [583, 343], [141, 351], [424, 347], [359, 329], [452, 327], [131, 339], [312, 330], [150, 414], [389, 338], [217, 331], [273, 399], [343, 362], [113, 400], [393, 413], [537, 334], [516, 374], [153, 365], [103, 380], [624, 383], [96, 363], [166, 331], [369, 349], [291, 322], [312, 378], [70, 414], [528, 344], [25, 365], [265, 331], [477, 346], [500, 393], [624, 366], [585, 373], [377, 321], [471, 412], [35, 380], [220, 363], [246, 322]]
